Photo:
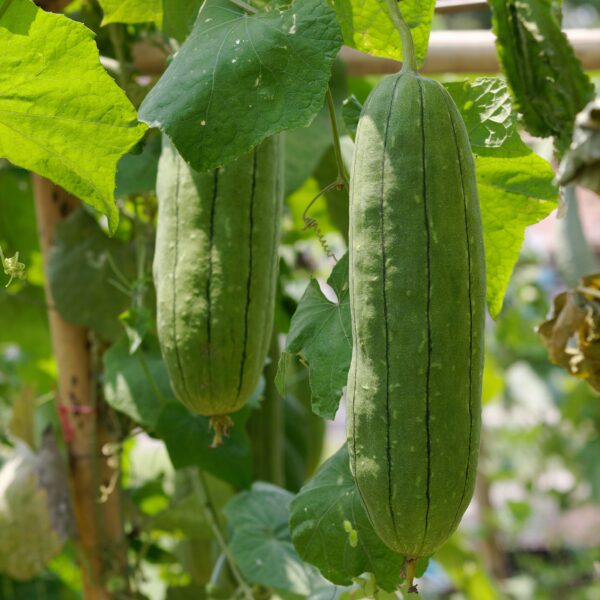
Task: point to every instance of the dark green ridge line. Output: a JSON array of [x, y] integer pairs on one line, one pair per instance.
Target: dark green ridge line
[[182, 378], [429, 344], [211, 235], [249, 278], [470, 287], [385, 305]]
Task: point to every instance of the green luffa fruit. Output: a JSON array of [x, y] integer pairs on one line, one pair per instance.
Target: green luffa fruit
[[215, 272], [417, 297]]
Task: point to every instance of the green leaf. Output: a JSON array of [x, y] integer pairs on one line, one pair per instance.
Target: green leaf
[[262, 547], [179, 17], [366, 26], [61, 114], [320, 333], [269, 74], [136, 173], [131, 11], [486, 109], [515, 185], [514, 193], [547, 80], [188, 439], [82, 273], [322, 517], [137, 384], [351, 114]]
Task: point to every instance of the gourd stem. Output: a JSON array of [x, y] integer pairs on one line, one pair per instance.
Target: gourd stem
[[342, 177], [4, 7], [409, 59], [201, 490], [411, 567], [245, 6]]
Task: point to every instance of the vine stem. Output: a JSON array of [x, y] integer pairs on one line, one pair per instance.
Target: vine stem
[[245, 6], [409, 58], [201, 490], [5, 5], [342, 178]]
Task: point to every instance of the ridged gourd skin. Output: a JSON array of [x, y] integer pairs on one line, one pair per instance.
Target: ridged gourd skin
[[215, 272], [417, 298]]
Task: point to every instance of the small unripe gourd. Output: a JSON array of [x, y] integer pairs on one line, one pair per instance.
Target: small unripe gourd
[[417, 297], [215, 271]]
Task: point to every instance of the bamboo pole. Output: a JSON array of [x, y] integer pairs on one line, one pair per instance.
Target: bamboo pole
[[99, 527], [472, 51]]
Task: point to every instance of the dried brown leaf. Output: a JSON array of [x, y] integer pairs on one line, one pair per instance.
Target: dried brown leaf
[[572, 334]]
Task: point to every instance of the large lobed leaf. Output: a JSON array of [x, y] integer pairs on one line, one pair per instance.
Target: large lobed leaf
[[61, 115], [320, 333], [238, 79], [366, 26], [262, 548], [322, 518]]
